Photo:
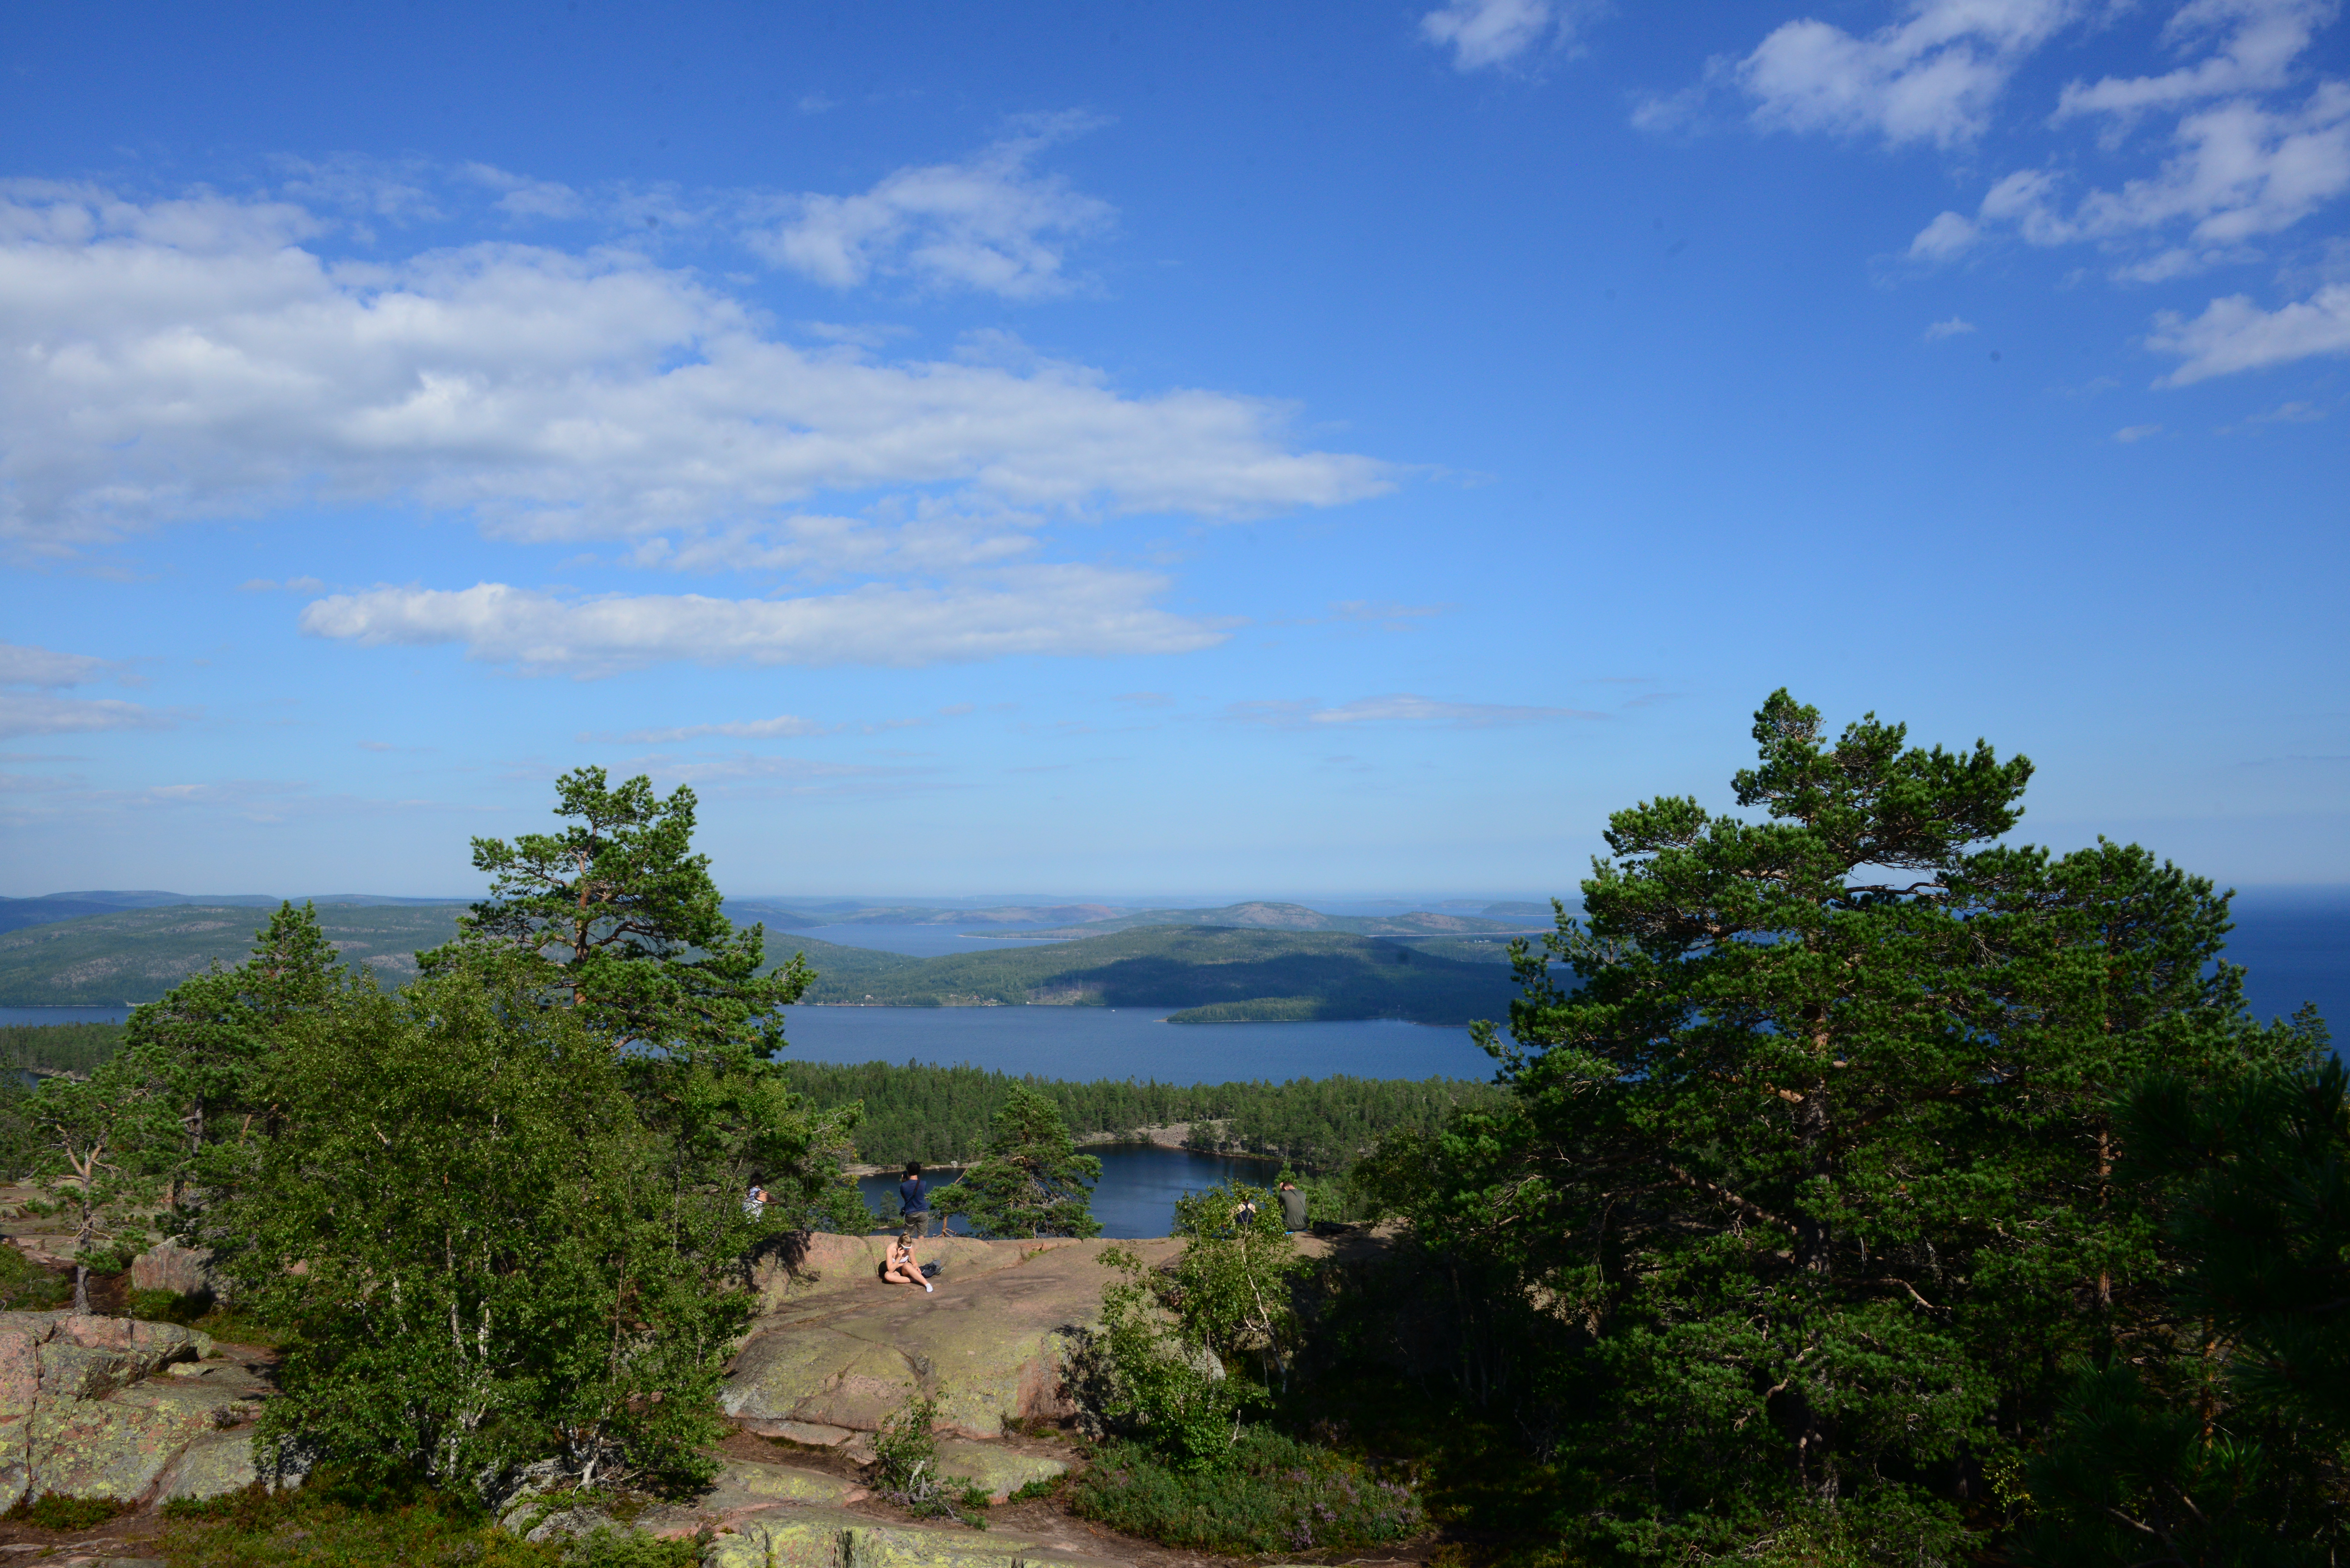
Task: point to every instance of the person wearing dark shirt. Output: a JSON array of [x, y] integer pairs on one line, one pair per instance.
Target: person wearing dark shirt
[[1293, 1207], [914, 1199]]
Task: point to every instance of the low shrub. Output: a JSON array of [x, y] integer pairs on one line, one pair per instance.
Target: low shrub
[[25, 1286], [55, 1511], [1271, 1494], [906, 1468], [167, 1306], [333, 1520]]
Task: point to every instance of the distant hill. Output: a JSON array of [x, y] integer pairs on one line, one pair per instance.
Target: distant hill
[[1272, 917], [743, 912], [1241, 975], [130, 956], [48, 908]]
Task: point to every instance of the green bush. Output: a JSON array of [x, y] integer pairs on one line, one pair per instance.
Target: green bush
[[906, 1467], [1271, 1493], [340, 1521], [167, 1306], [55, 1511], [25, 1286]]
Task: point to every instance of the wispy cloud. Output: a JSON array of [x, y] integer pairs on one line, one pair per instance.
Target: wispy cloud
[[2130, 435], [2251, 44], [990, 223], [2234, 334], [1483, 34], [24, 665], [32, 714], [1400, 707], [1953, 327], [1046, 610], [1931, 77], [1386, 614]]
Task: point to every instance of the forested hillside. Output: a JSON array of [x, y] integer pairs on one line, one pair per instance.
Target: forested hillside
[[1239, 974], [130, 956], [941, 1114]]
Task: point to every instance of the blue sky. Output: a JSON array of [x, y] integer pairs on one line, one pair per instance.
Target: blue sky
[[1121, 450]]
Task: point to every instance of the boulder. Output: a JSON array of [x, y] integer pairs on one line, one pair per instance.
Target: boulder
[[182, 1270], [843, 1350], [790, 1537], [1000, 1471], [84, 1412]]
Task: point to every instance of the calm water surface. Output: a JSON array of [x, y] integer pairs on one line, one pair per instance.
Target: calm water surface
[[2295, 944], [1136, 1196]]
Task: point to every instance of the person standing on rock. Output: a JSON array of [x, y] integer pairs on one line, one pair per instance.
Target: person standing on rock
[[914, 1199]]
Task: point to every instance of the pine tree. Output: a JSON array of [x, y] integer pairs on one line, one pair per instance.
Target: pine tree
[[1807, 1185], [1032, 1181]]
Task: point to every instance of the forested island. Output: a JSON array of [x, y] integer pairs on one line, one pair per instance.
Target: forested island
[[1857, 1186]]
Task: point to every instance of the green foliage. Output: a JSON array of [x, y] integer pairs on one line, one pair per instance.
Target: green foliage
[[1805, 1190], [1273, 1494], [58, 1047], [98, 1145], [1182, 1353], [55, 1511], [167, 1306], [335, 1519], [906, 1467], [1196, 967], [617, 919], [495, 1264], [1030, 1180], [25, 1286], [2221, 1431], [619, 916], [942, 1115]]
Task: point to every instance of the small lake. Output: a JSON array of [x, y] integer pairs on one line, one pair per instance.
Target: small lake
[[1136, 1196]]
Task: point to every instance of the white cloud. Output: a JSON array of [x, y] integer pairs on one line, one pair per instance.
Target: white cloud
[[2233, 334], [1060, 610], [27, 713], [1955, 326], [521, 197], [2133, 434], [2242, 171], [1401, 708], [782, 726], [1947, 236], [22, 665], [2262, 38], [990, 223], [2294, 413], [1931, 77], [173, 360], [1482, 33]]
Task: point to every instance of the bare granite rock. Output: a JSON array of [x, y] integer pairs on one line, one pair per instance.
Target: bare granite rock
[[842, 1350], [84, 1412]]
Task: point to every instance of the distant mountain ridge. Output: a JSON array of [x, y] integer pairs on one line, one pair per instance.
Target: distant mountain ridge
[[1266, 916]]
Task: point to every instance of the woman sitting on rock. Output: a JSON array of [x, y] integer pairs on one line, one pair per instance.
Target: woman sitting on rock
[[897, 1265]]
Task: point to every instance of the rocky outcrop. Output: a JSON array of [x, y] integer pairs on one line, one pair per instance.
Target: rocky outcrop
[[182, 1270], [830, 1538], [112, 1407], [838, 1350]]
